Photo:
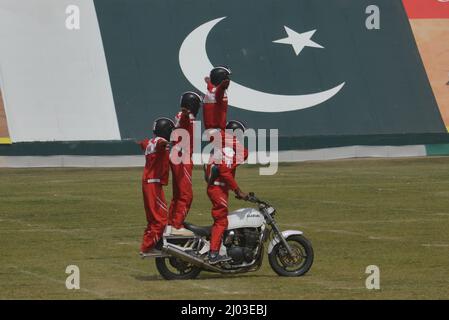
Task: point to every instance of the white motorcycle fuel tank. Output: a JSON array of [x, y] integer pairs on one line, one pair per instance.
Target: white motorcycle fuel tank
[[245, 218]]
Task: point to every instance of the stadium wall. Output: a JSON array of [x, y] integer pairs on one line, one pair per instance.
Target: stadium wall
[[90, 92], [55, 80]]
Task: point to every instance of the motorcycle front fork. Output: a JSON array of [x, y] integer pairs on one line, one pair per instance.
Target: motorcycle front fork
[[278, 234]]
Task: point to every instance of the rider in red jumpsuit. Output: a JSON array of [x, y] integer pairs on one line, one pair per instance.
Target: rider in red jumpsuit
[[182, 170], [221, 178], [215, 106], [155, 176]]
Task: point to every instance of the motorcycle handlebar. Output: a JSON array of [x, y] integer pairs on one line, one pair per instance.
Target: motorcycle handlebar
[[252, 198]]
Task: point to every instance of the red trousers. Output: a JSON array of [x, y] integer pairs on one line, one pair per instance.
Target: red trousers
[[182, 193], [218, 195], [156, 212]]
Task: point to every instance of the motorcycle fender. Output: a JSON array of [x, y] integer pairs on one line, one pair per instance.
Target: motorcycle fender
[[286, 234]]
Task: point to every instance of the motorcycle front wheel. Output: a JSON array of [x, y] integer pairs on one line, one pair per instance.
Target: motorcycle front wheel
[[292, 266]]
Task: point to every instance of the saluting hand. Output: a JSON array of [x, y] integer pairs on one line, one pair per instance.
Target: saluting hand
[[184, 110], [225, 83]]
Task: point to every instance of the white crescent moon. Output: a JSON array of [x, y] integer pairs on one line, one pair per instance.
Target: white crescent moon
[[195, 64]]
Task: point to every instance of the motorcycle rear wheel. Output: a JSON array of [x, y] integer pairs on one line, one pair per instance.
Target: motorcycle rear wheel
[[285, 265], [176, 269]]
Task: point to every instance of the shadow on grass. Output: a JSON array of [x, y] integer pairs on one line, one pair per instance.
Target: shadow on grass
[[205, 276], [147, 278]]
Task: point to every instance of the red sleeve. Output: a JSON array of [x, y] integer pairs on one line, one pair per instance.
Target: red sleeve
[[238, 160], [144, 144], [227, 176], [184, 121], [210, 86], [161, 145], [221, 88]]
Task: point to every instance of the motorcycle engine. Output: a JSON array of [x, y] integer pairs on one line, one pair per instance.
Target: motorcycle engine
[[241, 244]]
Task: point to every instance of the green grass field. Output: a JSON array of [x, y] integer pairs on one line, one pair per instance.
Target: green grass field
[[389, 213]]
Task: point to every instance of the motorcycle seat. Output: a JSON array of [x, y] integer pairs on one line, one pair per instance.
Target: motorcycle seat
[[198, 230]]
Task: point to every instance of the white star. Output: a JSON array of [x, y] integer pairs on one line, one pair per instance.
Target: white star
[[299, 40]]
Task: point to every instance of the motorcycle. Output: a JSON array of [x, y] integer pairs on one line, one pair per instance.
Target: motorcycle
[[290, 254]]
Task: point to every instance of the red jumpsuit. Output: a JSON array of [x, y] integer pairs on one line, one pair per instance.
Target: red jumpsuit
[[215, 109], [218, 191], [215, 106], [155, 175], [182, 175]]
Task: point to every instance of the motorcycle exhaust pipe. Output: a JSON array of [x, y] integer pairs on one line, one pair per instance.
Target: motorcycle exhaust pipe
[[177, 253]]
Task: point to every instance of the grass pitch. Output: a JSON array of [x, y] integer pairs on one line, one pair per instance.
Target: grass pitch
[[389, 213]]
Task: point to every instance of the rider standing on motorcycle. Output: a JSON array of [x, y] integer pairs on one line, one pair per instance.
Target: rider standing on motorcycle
[[220, 175], [215, 106], [182, 171], [155, 176]]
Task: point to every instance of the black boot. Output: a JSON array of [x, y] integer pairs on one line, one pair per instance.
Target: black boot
[[215, 258]]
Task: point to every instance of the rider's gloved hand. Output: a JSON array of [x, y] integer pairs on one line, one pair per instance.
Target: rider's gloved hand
[[225, 83], [184, 110], [239, 194]]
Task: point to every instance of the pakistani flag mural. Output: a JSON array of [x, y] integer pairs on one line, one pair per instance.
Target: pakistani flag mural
[[314, 69], [307, 67], [430, 24]]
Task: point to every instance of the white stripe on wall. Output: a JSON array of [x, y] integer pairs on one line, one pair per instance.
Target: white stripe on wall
[[55, 81], [284, 156]]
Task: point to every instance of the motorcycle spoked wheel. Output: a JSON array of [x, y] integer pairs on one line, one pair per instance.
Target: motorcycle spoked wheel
[[176, 269], [287, 266], [172, 268]]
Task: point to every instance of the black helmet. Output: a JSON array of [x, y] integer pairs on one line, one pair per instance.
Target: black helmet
[[218, 74], [162, 127], [191, 101], [235, 124]]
